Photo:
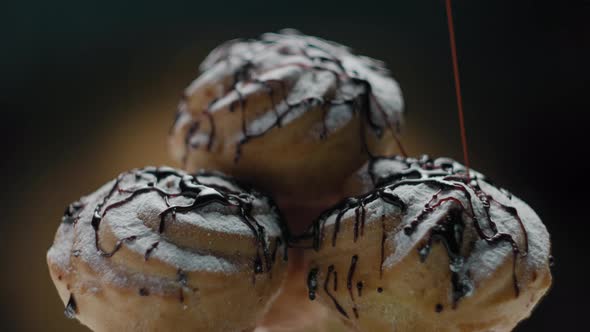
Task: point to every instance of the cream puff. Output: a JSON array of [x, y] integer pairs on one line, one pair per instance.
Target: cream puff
[[158, 249], [287, 112], [429, 248]]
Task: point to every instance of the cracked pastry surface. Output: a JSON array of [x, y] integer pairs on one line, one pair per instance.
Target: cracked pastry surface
[[157, 248], [279, 110], [429, 249]]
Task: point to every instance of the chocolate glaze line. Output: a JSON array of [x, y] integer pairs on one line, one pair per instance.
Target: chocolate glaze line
[[327, 290], [377, 129], [149, 251], [349, 278], [350, 275], [350, 202], [118, 246]]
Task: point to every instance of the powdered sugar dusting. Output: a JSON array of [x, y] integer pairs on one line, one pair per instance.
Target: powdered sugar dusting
[[484, 226], [300, 74], [132, 211]]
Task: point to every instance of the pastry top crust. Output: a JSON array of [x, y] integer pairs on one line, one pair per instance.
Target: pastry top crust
[[426, 201], [293, 74], [164, 222]]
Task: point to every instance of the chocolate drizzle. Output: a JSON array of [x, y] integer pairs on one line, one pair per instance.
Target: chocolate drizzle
[[464, 200], [327, 290], [450, 177], [357, 205], [354, 77], [189, 187], [349, 278], [148, 252], [350, 275]]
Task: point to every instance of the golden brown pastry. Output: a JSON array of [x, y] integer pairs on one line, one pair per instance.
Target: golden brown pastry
[[285, 112], [157, 249], [429, 249]]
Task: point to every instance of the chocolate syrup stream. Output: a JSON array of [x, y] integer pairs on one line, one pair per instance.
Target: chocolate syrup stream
[[453, 46]]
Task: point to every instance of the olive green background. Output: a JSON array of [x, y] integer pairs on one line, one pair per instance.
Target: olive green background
[[89, 89]]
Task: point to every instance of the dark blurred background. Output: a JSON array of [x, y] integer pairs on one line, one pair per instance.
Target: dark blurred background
[[89, 89]]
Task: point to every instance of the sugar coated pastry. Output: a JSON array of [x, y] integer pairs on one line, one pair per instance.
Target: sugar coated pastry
[[429, 248], [287, 111], [158, 249]]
